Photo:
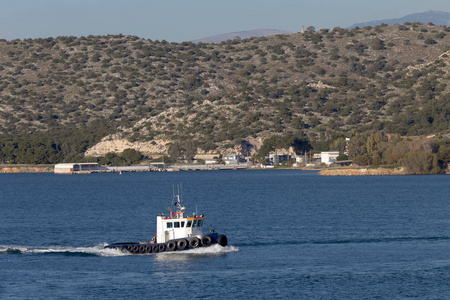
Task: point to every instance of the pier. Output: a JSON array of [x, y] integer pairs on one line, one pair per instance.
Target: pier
[[183, 167], [88, 168]]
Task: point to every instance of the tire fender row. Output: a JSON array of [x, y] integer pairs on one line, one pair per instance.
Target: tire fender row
[[172, 245]]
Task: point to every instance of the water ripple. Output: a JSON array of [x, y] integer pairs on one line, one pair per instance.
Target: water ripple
[[344, 241]]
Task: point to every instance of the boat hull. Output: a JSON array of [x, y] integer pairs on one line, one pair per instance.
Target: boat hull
[[170, 246]]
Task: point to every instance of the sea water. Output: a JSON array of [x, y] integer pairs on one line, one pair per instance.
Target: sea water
[[291, 233]]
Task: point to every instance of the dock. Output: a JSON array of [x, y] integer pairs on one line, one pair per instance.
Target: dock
[[88, 168]]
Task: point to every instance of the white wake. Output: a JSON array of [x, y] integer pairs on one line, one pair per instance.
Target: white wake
[[99, 250], [70, 250]]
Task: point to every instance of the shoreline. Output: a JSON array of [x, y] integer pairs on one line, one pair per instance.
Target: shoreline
[[16, 169], [8, 169], [364, 172]]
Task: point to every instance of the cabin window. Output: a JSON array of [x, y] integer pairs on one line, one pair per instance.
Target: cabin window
[[189, 223], [169, 224], [200, 223], [195, 223], [182, 224], [176, 224]]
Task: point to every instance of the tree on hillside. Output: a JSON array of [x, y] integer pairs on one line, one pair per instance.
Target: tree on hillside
[[190, 150], [444, 156], [364, 148], [186, 149], [339, 144], [175, 150], [132, 156], [377, 44], [299, 144], [246, 148], [112, 159], [421, 162], [342, 157]]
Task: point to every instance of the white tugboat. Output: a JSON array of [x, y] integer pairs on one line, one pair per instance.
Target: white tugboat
[[175, 232]]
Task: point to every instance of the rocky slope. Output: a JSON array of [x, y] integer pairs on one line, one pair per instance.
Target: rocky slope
[[61, 96]]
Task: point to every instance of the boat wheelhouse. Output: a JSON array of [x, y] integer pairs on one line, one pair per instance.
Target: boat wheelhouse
[[178, 226]]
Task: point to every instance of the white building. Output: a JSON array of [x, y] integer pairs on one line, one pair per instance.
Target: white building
[[210, 161], [232, 159], [71, 168], [329, 157], [279, 158], [234, 156], [300, 158]]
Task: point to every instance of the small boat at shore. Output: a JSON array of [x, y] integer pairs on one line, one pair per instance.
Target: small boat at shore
[[175, 232]]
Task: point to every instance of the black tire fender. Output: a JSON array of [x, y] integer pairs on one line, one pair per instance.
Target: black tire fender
[[194, 242], [148, 249], [155, 249], [161, 247], [222, 240], [171, 245], [206, 241], [182, 244]]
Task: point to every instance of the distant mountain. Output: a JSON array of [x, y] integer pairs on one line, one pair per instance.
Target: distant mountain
[[435, 17], [241, 34]]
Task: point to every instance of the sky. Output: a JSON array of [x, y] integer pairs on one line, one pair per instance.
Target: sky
[[185, 20]]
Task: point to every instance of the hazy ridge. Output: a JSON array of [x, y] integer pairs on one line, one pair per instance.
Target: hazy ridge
[[435, 17]]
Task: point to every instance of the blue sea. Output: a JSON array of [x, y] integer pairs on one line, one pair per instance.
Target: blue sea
[[291, 233]]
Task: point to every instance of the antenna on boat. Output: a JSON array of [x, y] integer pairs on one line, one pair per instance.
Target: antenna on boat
[[173, 193], [177, 200]]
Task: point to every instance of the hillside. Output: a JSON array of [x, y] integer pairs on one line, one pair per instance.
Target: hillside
[[240, 34], [61, 96]]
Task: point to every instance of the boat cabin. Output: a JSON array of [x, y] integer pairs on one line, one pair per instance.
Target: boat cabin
[[178, 225], [176, 228]]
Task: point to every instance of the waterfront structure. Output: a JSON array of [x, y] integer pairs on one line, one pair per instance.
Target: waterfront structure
[[329, 157], [210, 161], [73, 168], [300, 158], [275, 158], [232, 159], [207, 156]]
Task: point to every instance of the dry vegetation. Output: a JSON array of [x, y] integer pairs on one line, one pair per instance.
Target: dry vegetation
[[62, 95]]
